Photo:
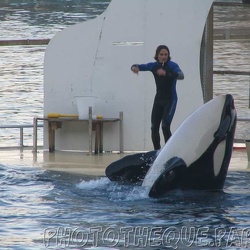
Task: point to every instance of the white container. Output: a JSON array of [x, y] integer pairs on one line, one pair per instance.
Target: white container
[[83, 104]]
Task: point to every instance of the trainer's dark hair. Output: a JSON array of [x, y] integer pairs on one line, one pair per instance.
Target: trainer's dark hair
[[159, 48]]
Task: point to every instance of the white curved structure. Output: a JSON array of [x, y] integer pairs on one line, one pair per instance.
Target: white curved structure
[[94, 58]]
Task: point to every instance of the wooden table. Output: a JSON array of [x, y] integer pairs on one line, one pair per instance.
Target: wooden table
[[93, 125]]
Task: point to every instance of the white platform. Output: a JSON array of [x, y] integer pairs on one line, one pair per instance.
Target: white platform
[[83, 163], [94, 58]]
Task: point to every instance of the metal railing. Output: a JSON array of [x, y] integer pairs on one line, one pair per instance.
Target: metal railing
[[21, 128], [242, 140], [235, 72]]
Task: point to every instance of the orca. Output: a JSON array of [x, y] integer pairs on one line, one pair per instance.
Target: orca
[[131, 168], [197, 155]]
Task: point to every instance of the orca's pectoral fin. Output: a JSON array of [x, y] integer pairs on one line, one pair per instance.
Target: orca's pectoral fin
[[168, 178]]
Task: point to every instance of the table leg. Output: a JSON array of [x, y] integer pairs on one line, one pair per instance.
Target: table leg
[[97, 139], [52, 127], [90, 130], [121, 132], [101, 137], [51, 134]]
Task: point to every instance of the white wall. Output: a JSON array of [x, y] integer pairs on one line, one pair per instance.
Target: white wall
[[85, 59]]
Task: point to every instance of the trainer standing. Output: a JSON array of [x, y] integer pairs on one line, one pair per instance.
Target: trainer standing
[[166, 73]]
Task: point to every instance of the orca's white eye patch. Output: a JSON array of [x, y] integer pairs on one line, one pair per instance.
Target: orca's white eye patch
[[219, 155]]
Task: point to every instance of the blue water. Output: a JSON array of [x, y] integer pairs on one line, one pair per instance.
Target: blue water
[[42, 209]]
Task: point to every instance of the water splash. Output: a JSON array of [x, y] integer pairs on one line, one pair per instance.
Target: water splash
[[94, 184], [113, 190]]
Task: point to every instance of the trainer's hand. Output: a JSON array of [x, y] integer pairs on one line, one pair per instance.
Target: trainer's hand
[[135, 69], [161, 72]]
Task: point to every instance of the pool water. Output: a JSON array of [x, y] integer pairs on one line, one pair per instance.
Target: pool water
[[42, 209]]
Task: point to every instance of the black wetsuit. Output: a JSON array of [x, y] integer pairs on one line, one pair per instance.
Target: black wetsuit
[[165, 99]]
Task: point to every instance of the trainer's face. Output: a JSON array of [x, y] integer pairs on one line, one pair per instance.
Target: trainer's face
[[163, 56]]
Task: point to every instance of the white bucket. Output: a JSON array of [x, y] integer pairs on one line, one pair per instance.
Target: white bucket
[[83, 104]]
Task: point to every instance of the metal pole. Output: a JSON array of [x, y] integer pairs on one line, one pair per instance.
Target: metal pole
[[21, 136], [34, 135]]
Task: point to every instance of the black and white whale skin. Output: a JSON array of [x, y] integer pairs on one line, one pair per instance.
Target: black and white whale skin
[[197, 155], [131, 168]]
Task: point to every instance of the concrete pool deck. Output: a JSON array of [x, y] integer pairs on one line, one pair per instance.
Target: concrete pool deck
[[83, 163]]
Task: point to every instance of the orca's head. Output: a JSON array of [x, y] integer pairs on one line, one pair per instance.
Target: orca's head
[[224, 137], [228, 120], [210, 169]]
